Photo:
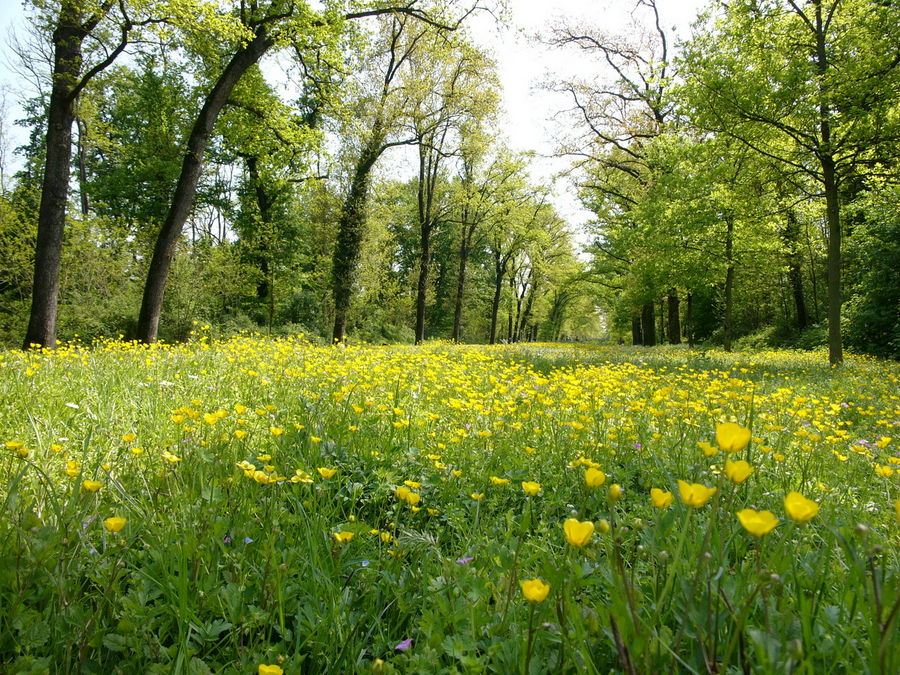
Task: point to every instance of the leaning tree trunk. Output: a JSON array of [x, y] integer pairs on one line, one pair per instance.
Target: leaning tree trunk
[[674, 306], [351, 226], [67, 59], [186, 188]]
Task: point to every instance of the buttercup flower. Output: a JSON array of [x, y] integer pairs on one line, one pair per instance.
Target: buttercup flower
[[694, 494], [91, 485], [343, 537], [269, 670], [534, 590], [800, 508], [114, 524], [732, 437], [499, 481], [326, 472], [757, 523], [615, 492], [531, 488], [594, 477], [737, 472], [661, 499], [578, 533]]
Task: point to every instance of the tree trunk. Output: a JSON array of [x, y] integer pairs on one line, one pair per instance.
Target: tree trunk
[[422, 284], [351, 226], [460, 288], [637, 335], [795, 272], [689, 319], [674, 305], [82, 167], [186, 188], [648, 324], [729, 285], [499, 270], [67, 41], [833, 218]]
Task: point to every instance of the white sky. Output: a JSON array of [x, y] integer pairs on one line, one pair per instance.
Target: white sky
[[524, 64]]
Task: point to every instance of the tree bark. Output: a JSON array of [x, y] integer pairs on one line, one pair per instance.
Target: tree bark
[[499, 270], [67, 59], [648, 324], [729, 285], [186, 188], [460, 288], [674, 305], [795, 272], [351, 225], [689, 319], [637, 335]]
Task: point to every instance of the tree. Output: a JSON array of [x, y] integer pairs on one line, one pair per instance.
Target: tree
[[111, 24], [807, 84]]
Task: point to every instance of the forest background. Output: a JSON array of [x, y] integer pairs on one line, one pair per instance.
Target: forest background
[[366, 169]]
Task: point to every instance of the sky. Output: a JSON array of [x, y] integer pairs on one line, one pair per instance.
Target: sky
[[531, 121]]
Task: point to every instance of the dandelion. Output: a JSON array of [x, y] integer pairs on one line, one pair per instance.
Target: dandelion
[[114, 524], [578, 533], [694, 494], [799, 508], [737, 472], [594, 477], [661, 499], [531, 488], [534, 590], [732, 437], [756, 522]]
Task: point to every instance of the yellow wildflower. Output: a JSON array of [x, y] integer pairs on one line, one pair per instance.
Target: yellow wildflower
[[531, 488], [737, 472], [694, 494], [757, 523], [732, 437], [114, 523], [661, 498], [534, 590], [800, 508], [578, 533], [594, 477]]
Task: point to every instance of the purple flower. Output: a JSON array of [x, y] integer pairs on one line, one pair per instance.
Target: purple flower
[[403, 646], [464, 561], [365, 563], [226, 539], [637, 446], [248, 540]]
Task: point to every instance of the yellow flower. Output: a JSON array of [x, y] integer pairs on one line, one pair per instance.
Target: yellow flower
[[137, 451], [240, 434], [883, 441], [594, 477], [708, 448], [616, 492], [757, 523], [269, 670], [603, 526], [694, 494], [114, 524], [402, 493], [343, 537], [210, 418], [534, 590], [276, 431], [415, 485], [737, 472], [499, 481], [661, 498], [129, 438], [578, 533], [476, 495], [800, 508], [240, 409], [530, 488], [72, 469], [91, 485], [326, 472], [897, 509], [732, 437], [18, 447], [413, 498], [56, 447], [314, 439]]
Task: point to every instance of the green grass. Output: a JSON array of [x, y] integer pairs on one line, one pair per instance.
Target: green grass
[[228, 558]]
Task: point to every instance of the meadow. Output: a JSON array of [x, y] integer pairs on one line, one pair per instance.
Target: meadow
[[271, 506]]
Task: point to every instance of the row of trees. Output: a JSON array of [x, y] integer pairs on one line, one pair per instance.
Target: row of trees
[[208, 193], [732, 171]]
